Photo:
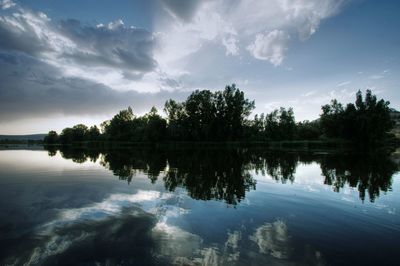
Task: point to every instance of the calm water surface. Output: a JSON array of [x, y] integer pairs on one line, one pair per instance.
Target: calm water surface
[[198, 207]]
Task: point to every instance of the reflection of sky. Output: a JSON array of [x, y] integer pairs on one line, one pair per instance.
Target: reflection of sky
[[309, 185], [65, 206], [22, 161]]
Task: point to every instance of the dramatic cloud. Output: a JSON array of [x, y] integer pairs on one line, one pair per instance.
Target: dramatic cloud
[[32, 88], [270, 47], [27, 32], [68, 68], [55, 66], [112, 45], [250, 23], [69, 43], [307, 15]]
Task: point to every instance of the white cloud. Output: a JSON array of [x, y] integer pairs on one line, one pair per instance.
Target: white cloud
[[307, 15], [310, 93], [270, 46], [231, 45], [376, 76], [383, 74], [344, 83], [235, 24], [6, 4]]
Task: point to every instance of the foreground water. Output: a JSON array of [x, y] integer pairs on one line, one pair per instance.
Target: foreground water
[[198, 207]]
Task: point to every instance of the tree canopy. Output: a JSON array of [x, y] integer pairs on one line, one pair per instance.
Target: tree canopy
[[225, 116]]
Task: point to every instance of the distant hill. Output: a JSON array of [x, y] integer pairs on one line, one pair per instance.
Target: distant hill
[[23, 137]]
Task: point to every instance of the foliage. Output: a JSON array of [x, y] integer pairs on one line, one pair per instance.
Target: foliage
[[224, 116], [366, 123], [205, 115], [51, 137]]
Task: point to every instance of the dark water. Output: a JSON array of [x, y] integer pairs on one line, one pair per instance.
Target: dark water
[[198, 207]]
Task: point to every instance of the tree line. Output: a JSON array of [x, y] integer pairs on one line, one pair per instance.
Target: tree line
[[225, 116]]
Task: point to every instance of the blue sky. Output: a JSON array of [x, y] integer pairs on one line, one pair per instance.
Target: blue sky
[[67, 62]]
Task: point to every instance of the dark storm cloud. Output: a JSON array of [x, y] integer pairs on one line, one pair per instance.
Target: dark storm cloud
[[172, 83], [112, 45], [32, 88], [183, 10], [16, 33], [36, 53]]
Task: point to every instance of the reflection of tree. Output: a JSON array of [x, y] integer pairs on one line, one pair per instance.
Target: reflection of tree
[[77, 155], [51, 150], [126, 163], [280, 165], [224, 174], [370, 173], [210, 174]]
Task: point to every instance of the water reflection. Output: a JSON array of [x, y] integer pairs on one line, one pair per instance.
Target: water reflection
[[132, 229], [77, 214], [227, 174]]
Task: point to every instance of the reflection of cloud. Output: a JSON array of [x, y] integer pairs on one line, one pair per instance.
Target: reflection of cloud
[[273, 238], [133, 228], [111, 206], [173, 242], [119, 222], [232, 246], [210, 257], [54, 246], [110, 241], [233, 240]]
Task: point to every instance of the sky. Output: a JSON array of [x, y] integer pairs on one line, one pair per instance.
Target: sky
[[69, 62]]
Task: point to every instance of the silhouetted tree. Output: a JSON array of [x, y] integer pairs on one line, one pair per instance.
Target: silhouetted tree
[[51, 137], [120, 126], [366, 123], [93, 133], [224, 116], [156, 126]]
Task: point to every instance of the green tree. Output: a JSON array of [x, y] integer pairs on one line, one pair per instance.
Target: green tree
[[93, 133], [156, 128], [200, 110], [272, 125], [366, 123], [79, 132], [176, 117], [51, 137], [120, 126], [287, 124]]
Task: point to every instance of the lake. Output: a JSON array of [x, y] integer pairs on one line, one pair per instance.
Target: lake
[[193, 206]]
